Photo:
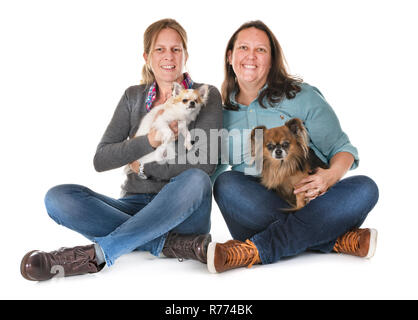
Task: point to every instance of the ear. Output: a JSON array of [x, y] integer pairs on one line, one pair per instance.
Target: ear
[[253, 146], [229, 55], [298, 129], [176, 89], [203, 92], [145, 57], [295, 126]]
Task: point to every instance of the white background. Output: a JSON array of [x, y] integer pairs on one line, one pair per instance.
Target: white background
[[64, 66]]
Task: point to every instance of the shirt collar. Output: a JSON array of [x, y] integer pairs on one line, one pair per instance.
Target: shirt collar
[[233, 95], [187, 83]]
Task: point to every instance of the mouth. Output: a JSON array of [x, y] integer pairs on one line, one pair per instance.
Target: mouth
[[168, 67], [249, 66]]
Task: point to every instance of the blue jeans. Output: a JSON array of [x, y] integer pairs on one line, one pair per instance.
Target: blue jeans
[[138, 221], [253, 212]]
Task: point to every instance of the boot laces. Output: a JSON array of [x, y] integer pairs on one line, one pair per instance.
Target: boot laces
[[243, 254], [349, 242], [61, 256], [182, 246]]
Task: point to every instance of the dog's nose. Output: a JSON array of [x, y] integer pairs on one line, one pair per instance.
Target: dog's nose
[[278, 152], [192, 104]]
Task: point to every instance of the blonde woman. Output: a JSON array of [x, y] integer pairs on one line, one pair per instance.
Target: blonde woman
[[169, 212]]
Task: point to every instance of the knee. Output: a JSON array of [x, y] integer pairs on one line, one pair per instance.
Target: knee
[[367, 190], [224, 183], [197, 181], [356, 198], [59, 200]]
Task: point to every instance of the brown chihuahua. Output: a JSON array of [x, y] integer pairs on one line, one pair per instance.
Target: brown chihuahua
[[287, 159]]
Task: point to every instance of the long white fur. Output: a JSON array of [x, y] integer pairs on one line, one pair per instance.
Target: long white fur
[[172, 112]]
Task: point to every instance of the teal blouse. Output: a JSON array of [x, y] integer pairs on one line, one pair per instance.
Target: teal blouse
[[325, 133]]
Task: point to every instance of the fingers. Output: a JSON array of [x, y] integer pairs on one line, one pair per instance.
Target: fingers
[[174, 126], [306, 187], [311, 188], [134, 166]]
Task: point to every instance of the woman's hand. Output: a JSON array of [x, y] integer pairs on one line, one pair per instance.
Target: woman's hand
[[134, 166], [318, 183]]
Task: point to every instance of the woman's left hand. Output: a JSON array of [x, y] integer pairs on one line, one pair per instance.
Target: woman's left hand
[[134, 166], [316, 184]]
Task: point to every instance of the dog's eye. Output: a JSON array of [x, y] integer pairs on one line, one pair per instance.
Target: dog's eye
[[285, 144], [270, 146], [184, 100]]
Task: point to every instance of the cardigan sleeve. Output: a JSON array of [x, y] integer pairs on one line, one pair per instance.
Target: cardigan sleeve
[[115, 149]]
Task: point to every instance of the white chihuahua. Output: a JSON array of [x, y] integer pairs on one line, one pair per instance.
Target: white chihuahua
[[183, 106]]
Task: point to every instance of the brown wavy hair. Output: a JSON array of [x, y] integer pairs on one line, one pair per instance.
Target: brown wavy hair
[[280, 83]]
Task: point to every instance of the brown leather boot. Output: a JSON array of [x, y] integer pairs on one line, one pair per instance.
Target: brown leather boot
[[357, 242], [38, 265], [187, 246], [232, 254]]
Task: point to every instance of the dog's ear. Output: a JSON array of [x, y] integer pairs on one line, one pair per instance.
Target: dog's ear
[[176, 89], [253, 145], [296, 126], [203, 92]]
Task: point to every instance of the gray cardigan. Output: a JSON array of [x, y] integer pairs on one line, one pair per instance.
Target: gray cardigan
[[117, 147]]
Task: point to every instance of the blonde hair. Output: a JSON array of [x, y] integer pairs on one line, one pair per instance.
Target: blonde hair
[[150, 36]]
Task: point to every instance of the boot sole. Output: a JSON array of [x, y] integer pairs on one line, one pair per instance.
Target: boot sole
[[372, 245], [211, 257], [23, 264]]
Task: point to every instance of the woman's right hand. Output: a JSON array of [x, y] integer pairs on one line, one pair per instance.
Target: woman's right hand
[[152, 138]]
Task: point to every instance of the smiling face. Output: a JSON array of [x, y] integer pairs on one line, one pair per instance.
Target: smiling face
[[167, 57], [251, 57]]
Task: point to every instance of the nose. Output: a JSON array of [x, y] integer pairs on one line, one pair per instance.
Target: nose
[[278, 152], [192, 104], [169, 55], [252, 54]]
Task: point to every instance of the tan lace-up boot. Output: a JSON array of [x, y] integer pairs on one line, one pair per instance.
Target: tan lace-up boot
[[231, 254], [357, 242]]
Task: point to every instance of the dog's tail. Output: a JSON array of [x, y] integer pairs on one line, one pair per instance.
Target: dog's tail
[[292, 209], [299, 203]]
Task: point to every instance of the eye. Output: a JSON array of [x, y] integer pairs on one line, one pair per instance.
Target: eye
[[184, 100], [177, 49], [285, 144], [158, 49], [243, 47], [271, 146], [261, 50]]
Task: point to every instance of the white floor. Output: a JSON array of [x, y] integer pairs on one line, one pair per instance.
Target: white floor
[[390, 274], [60, 83]]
